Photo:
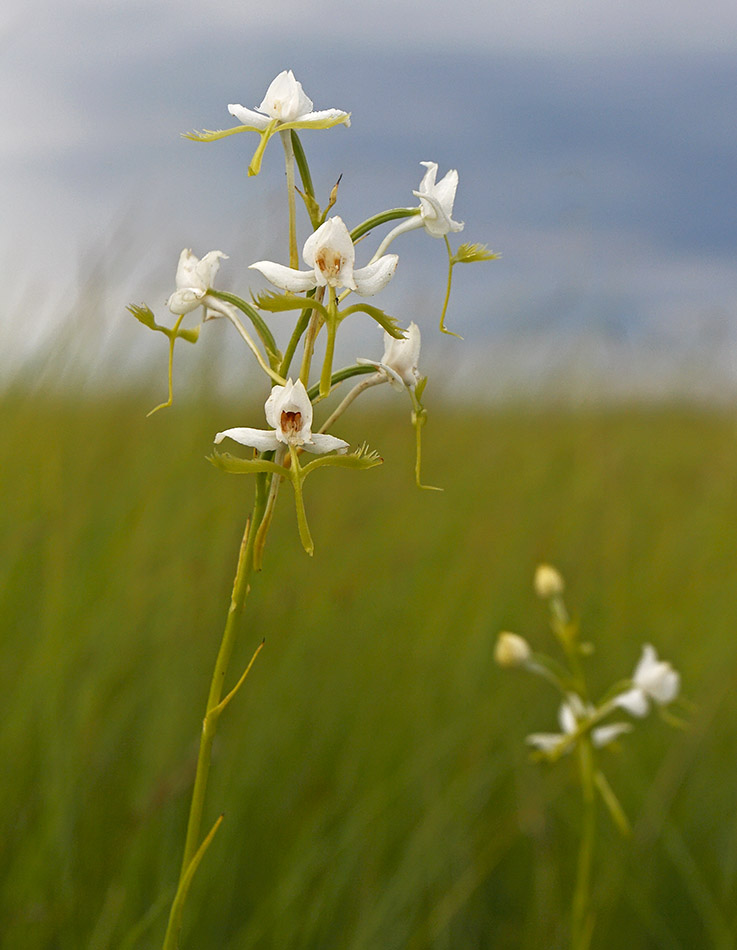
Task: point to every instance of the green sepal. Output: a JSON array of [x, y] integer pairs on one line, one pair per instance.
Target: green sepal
[[278, 303], [469, 253], [362, 458], [378, 219], [212, 135], [339, 376], [254, 166], [240, 466], [145, 316], [383, 319], [256, 319]]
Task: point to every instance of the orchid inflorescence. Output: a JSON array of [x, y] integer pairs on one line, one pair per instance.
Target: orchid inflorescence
[[319, 298], [653, 684]]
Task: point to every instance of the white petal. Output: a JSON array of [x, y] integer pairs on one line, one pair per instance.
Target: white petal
[[285, 99], [291, 398], [567, 719], [286, 277], [445, 190], [319, 119], [185, 301], [374, 277], [187, 270], [656, 677], [401, 356], [262, 439], [208, 267], [331, 252], [322, 443], [634, 701], [249, 117], [546, 741], [603, 735], [428, 179]]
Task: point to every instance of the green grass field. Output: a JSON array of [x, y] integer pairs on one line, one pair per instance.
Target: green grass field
[[376, 787]]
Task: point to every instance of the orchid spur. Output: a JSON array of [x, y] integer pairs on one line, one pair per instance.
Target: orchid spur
[[285, 107]]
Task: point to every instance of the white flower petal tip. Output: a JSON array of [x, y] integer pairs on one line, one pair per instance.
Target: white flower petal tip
[[436, 201], [193, 279], [374, 277], [605, 735], [287, 104], [262, 439]]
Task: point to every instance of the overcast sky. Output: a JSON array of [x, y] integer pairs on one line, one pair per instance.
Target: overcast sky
[[596, 145]]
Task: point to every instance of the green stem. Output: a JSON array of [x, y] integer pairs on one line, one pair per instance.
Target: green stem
[[582, 917], [299, 328], [193, 845], [327, 366], [316, 321], [451, 262], [286, 139]]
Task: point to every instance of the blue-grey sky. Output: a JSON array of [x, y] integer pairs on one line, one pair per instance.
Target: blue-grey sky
[[596, 145]]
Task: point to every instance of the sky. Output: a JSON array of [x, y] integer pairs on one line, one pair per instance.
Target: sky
[[596, 145]]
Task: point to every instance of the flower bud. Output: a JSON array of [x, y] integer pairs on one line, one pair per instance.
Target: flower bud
[[511, 650], [548, 581]]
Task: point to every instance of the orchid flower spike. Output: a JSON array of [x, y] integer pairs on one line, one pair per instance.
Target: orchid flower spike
[[194, 278], [289, 411], [654, 680], [399, 362], [330, 255], [573, 714], [436, 207], [286, 104]]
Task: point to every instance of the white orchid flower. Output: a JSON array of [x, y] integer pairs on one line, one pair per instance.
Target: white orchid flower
[[654, 680], [194, 278], [286, 103], [572, 714], [330, 255], [436, 201], [399, 362], [289, 410], [436, 207]]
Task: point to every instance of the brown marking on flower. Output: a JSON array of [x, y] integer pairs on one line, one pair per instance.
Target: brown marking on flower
[[328, 262], [291, 423]]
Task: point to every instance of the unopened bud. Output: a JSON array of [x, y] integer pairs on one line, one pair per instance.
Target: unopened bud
[[511, 650], [548, 581]]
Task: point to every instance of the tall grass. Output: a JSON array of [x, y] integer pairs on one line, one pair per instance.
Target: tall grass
[[375, 785]]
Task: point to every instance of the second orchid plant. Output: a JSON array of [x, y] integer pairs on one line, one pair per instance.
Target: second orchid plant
[[585, 726], [322, 296]]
